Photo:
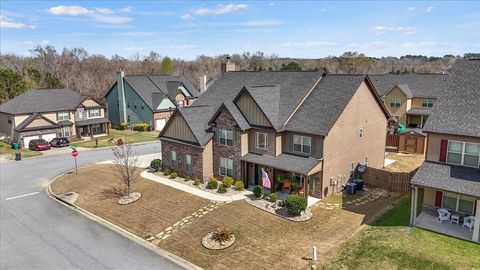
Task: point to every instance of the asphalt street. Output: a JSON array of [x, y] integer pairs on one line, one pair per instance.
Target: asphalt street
[[39, 233]]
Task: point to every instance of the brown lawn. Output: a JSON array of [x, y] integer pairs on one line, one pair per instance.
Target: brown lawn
[[265, 241], [405, 162], [158, 208]]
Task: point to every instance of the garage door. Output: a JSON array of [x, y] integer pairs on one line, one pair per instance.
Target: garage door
[[49, 136], [160, 123], [27, 139]]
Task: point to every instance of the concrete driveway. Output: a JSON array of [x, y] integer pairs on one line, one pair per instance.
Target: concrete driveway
[[39, 233]]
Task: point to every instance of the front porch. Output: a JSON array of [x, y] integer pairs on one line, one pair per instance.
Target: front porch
[[417, 117], [92, 128], [287, 174]]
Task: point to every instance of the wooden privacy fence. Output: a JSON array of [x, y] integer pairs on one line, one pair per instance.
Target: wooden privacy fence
[[393, 140], [391, 181]]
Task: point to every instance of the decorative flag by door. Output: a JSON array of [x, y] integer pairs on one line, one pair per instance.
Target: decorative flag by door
[[265, 180]]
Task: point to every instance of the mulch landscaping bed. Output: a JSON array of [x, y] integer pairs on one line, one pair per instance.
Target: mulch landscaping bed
[[159, 207]]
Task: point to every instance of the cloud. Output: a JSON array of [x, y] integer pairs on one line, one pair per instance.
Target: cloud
[[430, 8], [411, 8], [126, 9], [263, 23], [271, 4], [186, 17], [8, 23], [27, 42], [220, 9], [105, 11], [309, 45], [104, 15], [45, 42], [382, 30], [323, 9]]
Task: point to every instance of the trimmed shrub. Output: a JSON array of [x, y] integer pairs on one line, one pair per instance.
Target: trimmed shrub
[[141, 127], [196, 182], [222, 189], [123, 126], [173, 175], [156, 164], [221, 235], [239, 185], [227, 181], [295, 204], [258, 191], [273, 197], [212, 183], [167, 170]]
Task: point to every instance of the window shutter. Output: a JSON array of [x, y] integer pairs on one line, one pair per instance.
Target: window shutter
[[438, 199], [443, 150]]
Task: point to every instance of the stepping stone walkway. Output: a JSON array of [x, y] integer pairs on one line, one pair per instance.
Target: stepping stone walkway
[[370, 195], [184, 221]]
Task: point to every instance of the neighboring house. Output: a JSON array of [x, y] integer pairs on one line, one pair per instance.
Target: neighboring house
[[450, 176], [147, 99], [304, 127], [50, 113], [409, 98]]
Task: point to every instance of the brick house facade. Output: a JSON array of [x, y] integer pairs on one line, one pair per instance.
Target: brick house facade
[[182, 150], [225, 121]]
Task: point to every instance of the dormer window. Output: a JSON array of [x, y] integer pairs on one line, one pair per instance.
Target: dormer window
[[61, 116], [261, 140]]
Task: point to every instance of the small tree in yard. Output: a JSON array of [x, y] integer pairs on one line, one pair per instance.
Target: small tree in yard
[[126, 165]]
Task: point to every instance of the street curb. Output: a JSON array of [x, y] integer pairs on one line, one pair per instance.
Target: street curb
[[162, 252]]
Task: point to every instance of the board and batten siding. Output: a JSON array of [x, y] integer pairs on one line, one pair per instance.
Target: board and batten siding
[[252, 140], [137, 109], [251, 111], [178, 129]]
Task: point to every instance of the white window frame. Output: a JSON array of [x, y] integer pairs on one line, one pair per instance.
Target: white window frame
[[257, 140], [224, 166], [227, 135], [394, 102], [302, 144], [365, 160], [66, 130], [173, 161], [90, 115], [462, 161], [61, 116], [428, 102], [457, 204], [188, 163]]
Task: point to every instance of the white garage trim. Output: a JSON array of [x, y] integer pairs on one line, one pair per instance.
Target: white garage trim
[[160, 123], [49, 136], [27, 140]]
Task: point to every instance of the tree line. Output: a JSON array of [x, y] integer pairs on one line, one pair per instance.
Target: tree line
[[94, 74]]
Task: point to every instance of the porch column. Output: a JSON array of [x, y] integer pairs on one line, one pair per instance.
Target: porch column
[[413, 206], [421, 120], [476, 225]]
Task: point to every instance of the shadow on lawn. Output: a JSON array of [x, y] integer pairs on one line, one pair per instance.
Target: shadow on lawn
[[111, 193]]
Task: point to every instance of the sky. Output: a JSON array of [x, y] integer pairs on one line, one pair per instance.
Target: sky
[[300, 29]]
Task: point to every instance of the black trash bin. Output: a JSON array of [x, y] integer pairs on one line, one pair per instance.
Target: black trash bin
[[18, 156], [351, 188], [359, 183]]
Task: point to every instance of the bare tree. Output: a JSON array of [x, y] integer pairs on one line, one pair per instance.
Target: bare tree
[[125, 163]]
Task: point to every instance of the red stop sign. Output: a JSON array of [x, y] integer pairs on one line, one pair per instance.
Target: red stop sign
[[74, 153]]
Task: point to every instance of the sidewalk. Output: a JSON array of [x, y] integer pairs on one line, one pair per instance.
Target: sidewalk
[[195, 191]]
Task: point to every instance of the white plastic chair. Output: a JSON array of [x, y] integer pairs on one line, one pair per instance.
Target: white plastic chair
[[468, 222], [443, 215]]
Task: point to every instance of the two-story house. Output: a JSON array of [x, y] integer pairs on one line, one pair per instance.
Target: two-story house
[[450, 177], [307, 128], [147, 99], [409, 98], [50, 113]]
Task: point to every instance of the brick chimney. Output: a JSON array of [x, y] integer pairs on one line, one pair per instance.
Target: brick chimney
[[228, 66]]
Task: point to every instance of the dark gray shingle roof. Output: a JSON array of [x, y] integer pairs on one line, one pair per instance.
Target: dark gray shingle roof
[[23, 125], [92, 121], [446, 177], [43, 100], [405, 89], [268, 99], [420, 85], [291, 163], [457, 110], [197, 118], [325, 104], [146, 85], [419, 111]]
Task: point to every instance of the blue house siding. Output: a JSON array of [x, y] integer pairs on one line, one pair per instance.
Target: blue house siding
[[137, 109]]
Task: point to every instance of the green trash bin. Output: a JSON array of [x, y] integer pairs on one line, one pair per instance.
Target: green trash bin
[[15, 145]]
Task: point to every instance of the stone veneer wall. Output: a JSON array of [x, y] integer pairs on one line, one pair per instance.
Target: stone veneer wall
[[182, 150], [225, 121]]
